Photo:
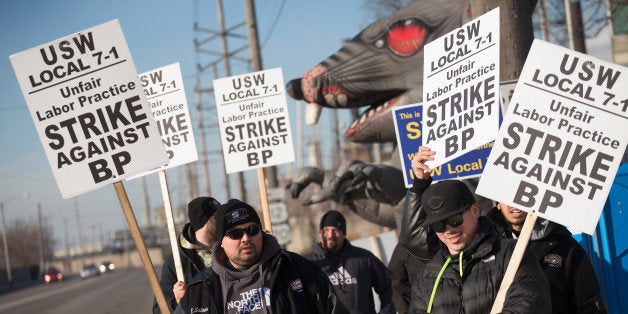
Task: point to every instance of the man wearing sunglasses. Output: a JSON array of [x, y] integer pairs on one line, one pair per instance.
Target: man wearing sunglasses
[[251, 273], [354, 272], [465, 274]]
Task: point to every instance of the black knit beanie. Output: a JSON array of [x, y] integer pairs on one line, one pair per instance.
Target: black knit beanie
[[200, 210], [334, 218]]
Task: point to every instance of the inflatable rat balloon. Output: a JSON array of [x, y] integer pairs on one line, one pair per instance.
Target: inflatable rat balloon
[[380, 68]]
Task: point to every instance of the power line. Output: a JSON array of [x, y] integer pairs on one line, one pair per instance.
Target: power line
[[272, 27]]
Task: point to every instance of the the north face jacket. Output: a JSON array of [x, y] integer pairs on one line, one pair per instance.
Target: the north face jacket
[[355, 272], [296, 285]]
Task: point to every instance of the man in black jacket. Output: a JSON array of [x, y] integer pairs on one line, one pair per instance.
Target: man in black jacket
[[573, 283], [465, 275], [354, 272], [195, 249], [251, 273]]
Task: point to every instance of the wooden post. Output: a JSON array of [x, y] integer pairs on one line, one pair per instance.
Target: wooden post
[[141, 248], [268, 225], [515, 261]]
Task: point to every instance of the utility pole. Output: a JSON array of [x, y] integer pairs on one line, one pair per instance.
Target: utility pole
[[67, 238], [5, 244], [224, 167], [516, 33], [225, 56], [41, 240], [80, 232], [270, 173], [201, 127], [227, 68], [192, 180], [101, 235], [149, 220]]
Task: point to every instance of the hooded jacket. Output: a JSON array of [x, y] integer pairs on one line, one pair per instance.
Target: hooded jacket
[[468, 282], [280, 282], [355, 272], [574, 287], [191, 263]]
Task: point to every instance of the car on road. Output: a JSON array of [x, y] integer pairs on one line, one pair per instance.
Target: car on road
[[89, 270], [106, 267], [52, 274]]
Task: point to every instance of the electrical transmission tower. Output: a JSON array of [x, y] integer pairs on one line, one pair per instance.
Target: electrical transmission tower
[[213, 46]]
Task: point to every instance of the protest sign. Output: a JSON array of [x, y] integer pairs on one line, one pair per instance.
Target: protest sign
[[89, 109], [253, 120], [562, 140], [408, 129], [165, 93], [460, 89]]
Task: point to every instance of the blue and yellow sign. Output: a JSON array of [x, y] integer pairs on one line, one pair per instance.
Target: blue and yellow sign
[[409, 137]]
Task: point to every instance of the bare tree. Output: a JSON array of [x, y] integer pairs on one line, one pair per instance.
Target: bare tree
[[593, 19], [23, 241]]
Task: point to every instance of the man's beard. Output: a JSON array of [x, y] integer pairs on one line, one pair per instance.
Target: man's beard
[[330, 246]]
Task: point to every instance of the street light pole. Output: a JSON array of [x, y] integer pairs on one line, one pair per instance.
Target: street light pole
[[7, 262], [5, 242]]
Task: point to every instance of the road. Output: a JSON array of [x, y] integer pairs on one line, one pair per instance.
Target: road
[[121, 291]]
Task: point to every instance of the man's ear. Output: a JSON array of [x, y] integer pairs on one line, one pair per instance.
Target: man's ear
[[475, 210]]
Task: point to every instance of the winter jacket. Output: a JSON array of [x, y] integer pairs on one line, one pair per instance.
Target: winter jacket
[[191, 263], [292, 284], [415, 248], [468, 282], [355, 272], [574, 287]]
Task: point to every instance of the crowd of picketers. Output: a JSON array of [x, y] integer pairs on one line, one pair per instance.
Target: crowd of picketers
[[449, 259]]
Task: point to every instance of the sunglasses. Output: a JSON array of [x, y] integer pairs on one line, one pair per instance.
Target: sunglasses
[[454, 221], [238, 233]]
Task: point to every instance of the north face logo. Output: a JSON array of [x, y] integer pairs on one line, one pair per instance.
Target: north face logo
[[341, 276]]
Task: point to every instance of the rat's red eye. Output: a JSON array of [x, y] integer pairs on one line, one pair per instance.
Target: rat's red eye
[[406, 38]]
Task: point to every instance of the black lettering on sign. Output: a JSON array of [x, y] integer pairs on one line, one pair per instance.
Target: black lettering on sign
[[101, 170], [526, 196], [255, 129], [462, 35], [86, 125], [64, 50], [604, 76], [454, 143], [151, 78], [248, 81]]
